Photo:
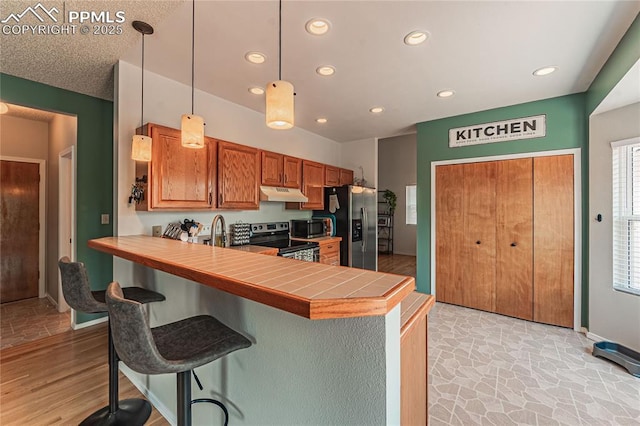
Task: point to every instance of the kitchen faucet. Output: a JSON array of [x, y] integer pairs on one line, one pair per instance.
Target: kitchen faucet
[[219, 241]]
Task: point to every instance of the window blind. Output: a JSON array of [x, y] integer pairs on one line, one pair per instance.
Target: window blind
[[626, 215]]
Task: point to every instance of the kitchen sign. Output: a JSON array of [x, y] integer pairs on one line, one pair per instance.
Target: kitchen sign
[[498, 131]]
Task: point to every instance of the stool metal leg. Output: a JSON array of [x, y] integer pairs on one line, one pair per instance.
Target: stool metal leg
[[128, 412], [184, 398]]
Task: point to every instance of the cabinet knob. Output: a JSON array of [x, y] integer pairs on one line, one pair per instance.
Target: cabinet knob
[[478, 242], [513, 244]]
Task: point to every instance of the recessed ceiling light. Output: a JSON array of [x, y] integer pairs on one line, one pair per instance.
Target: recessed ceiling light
[[326, 70], [376, 110], [321, 120], [317, 26], [4, 108], [255, 90], [255, 57], [416, 37], [445, 93], [544, 71]]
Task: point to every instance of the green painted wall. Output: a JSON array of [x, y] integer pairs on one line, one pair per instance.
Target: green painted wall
[[566, 128], [621, 60], [94, 173]]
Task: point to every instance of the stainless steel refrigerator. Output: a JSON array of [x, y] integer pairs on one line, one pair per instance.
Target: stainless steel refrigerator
[[356, 223]]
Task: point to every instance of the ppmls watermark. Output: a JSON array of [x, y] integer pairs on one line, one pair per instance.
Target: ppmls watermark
[[57, 20]]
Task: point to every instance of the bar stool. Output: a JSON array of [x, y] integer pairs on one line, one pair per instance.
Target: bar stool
[[177, 347], [78, 294]]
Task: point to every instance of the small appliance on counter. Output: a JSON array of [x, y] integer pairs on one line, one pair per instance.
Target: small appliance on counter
[[240, 233], [329, 222], [276, 234], [309, 228]]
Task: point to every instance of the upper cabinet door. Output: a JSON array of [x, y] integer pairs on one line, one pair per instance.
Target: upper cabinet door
[[238, 176], [331, 176], [313, 185], [272, 167], [178, 177], [346, 177], [292, 172]]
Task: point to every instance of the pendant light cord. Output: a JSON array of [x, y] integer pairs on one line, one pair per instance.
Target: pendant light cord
[[280, 40], [142, 94], [193, 42]]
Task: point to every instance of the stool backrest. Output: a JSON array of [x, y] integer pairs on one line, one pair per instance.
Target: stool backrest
[[76, 287], [132, 335]]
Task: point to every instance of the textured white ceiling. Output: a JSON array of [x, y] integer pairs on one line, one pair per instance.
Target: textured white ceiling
[[484, 50]]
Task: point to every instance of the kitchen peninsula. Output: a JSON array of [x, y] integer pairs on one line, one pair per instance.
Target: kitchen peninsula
[[342, 369]]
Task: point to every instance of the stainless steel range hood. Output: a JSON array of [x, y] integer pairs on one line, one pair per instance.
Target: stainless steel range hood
[[272, 193]]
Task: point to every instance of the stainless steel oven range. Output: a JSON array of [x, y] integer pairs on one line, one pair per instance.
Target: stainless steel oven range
[[276, 234]]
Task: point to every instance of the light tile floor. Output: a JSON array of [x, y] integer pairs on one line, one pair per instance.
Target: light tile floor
[[31, 319], [491, 369]]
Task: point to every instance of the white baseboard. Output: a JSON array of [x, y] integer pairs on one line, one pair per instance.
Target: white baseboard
[[53, 302], [594, 337], [157, 404], [89, 323]]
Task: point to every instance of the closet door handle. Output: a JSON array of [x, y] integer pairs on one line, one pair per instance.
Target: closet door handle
[[478, 242], [513, 244]]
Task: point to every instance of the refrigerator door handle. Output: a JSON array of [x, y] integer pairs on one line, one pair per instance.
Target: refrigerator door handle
[[365, 228]]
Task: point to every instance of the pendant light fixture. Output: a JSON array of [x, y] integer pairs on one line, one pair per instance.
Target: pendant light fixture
[[192, 126], [141, 144], [279, 94]]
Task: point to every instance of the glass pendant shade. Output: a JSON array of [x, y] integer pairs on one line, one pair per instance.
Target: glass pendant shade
[[192, 131], [279, 107], [141, 148]]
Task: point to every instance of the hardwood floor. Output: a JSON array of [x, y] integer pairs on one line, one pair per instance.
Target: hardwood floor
[[59, 380], [397, 264]]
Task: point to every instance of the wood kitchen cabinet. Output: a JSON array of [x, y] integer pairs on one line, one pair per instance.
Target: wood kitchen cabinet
[[176, 177], [330, 251], [312, 186], [346, 177], [292, 172], [331, 175], [272, 168], [238, 176], [280, 170]]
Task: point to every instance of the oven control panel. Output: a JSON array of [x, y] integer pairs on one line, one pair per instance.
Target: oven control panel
[[263, 228]]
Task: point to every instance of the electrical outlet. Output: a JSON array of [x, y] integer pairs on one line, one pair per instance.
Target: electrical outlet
[[156, 230], [206, 229], [104, 219]]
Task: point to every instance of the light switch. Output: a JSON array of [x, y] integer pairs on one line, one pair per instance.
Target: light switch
[[104, 219]]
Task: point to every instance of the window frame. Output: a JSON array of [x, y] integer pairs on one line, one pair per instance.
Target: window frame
[[625, 232]]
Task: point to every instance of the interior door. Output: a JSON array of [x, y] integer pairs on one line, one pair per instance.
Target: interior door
[[479, 271], [553, 231], [514, 238], [19, 230], [449, 233]]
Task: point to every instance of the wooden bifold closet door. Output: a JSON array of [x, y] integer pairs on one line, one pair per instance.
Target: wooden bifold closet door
[[505, 236], [514, 233], [553, 232]]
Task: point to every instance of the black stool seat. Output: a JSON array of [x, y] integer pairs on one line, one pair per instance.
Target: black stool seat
[[178, 347], [139, 294], [78, 294]]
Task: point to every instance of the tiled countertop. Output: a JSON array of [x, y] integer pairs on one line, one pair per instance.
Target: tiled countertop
[[311, 290], [256, 249]]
